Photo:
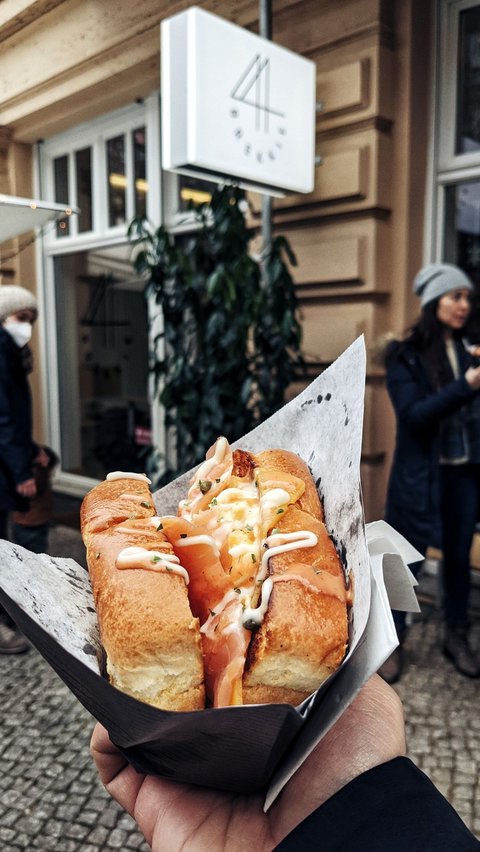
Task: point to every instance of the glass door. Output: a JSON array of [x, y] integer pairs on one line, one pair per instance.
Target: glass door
[[102, 339]]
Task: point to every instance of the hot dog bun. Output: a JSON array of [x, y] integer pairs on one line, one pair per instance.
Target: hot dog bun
[[151, 639]]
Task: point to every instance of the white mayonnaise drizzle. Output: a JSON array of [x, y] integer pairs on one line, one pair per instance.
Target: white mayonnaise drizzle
[[255, 615], [248, 492], [198, 539], [273, 499], [221, 448], [280, 543], [120, 474], [228, 597], [286, 541], [151, 560]]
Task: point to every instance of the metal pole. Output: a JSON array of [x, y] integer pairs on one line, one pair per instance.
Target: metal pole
[[265, 28]]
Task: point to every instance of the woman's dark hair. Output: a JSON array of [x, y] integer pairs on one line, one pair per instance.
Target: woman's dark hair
[[427, 336]]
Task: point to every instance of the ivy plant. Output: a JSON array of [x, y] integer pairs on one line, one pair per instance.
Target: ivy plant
[[231, 339]]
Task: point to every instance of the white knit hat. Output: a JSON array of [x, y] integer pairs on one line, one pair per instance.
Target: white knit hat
[[436, 279], [14, 299]]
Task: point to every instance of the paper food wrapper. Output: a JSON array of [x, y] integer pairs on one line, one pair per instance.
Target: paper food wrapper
[[251, 748]]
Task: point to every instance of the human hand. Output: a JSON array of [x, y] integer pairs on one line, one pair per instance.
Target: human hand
[[177, 817], [473, 377], [27, 488]]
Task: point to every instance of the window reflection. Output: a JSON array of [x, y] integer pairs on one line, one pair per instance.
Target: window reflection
[[139, 170], [468, 93], [462, 238], [117, 181], [102, 333], [60, 173], [83, 166], [194, 191]]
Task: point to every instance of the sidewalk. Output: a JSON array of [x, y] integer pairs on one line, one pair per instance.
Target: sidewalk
[[50, 796]]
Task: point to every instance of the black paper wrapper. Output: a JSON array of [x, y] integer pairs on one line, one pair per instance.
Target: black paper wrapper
[[230, 749], [239, 749]]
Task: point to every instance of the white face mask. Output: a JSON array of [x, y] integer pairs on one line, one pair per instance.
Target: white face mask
[[21, 332]]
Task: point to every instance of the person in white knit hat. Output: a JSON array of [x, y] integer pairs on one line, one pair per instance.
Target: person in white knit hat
[[18, 451], [434, 488]]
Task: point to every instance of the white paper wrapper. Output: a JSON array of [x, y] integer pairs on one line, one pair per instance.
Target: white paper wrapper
[[51, 601]]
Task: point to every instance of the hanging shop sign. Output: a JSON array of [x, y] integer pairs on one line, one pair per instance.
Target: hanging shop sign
[[235, 106]]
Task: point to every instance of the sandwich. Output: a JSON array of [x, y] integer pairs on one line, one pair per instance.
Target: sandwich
[[240, 598]]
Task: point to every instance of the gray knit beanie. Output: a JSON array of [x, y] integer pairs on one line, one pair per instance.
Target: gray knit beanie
[[436, 279], [14, 299]]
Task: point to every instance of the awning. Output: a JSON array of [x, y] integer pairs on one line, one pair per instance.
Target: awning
[[18, 215]]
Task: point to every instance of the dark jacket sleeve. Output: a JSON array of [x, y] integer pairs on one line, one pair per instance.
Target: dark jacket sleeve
[[392, 808], [412, 401], [16, 446]]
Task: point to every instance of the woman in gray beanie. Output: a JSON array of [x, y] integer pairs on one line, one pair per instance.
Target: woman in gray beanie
[[434, 488], [18, 452]]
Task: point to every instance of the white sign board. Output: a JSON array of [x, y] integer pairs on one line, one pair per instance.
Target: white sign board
[[235, 105]]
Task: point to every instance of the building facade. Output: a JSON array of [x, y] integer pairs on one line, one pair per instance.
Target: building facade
[[397, 184]]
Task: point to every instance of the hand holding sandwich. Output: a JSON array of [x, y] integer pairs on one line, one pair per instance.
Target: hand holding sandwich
[[178, 817]]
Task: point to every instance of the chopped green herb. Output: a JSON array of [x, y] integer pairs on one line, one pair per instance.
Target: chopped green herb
[[254, 558], [213, 502], [217, 480], [168, 569], [204, 485], [238, 591], [160, 527], [212, 612], [183, 535], [156, 559], [275, 532], [280, 511], [146, 505], [248, 527]]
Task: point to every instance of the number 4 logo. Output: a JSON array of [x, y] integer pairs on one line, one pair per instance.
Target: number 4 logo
[[253, 90]]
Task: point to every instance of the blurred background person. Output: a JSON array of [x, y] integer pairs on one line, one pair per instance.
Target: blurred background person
[[18, 451], [433, 492]]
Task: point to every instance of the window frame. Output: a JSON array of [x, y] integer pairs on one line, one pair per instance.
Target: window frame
[[50, 246], [447, 168]]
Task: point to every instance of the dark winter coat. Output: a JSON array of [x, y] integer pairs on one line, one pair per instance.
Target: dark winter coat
[[17, 450], [413, 496]]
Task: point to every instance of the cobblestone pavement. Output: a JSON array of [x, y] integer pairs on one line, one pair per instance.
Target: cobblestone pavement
[[51, 799]]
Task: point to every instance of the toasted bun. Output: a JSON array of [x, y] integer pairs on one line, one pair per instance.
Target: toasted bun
[[150, 637], [304, 634]]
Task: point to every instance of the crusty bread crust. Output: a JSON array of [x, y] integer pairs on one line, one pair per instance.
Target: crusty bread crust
[[150, 637], [304, 634]]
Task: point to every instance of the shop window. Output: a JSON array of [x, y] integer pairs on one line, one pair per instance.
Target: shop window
[[456, 188], [117, 181], [139, 142], [62, 193], [467, 136], [83, 173], [102, 334]]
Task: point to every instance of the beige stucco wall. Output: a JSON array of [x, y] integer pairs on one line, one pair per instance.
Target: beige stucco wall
[[358, 236]]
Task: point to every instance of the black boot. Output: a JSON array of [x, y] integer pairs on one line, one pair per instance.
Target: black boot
[[12, 641], [456, 648]]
